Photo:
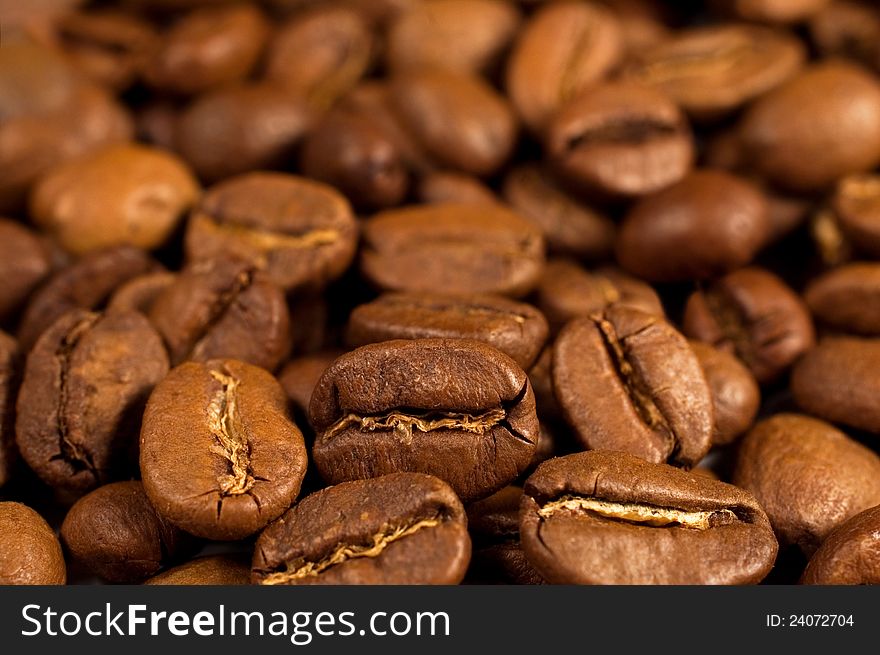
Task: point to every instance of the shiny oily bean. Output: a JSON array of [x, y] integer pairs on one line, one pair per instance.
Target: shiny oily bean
[[30, 553], [850, 554], [515, 328], [115, 533], [403, 528], [856, 206], [629, 381], [452, 248], [219, 456], [455, 408], [847, 298], [301, 232], [753, 313], [10, 374], [85, 385], [602, 517], [24, 262], [808, 477], [207, 570]]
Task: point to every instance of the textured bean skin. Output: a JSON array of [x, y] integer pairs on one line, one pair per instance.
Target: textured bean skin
[[30, 553], [849, 554]]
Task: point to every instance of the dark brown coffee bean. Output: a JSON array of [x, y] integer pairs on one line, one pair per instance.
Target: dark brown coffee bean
[[219, 456], [85, 385], [569, 225], [611, 518], [241, 128], [140, 293], [121, 195], [847, 29], [461, 35], [541, 379], [24, 262], [116, 534], [710, 71], [706, 225], [301, 232], [449, 186], [849, 554], [29, 551], [208, 48], [452, 248], [562, 49], [567, 291], [736, 397], [223, 308], [459, 119], [773, 11], [403, 528], [620, 139], [755, 314], [85, 284], [808, 477], [816, 128], [628, 381], [10, 374], [454, 408], [517, 329], [839, 380], [856, 206], [847, 298], [208, 570], [300, 376], [320, 54]]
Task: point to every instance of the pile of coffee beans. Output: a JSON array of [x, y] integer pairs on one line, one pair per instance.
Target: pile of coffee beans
[[440, 291]]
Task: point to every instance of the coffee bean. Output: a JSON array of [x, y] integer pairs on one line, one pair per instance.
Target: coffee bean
[[856, 206], [10, 373], [755, 314], [847, 29], [208, 570], [563, 49], [620, 140], [223, 308], [301, 232], [219, 456], [848, 555], [706, 225], [541, 379], [29, 550], [116, 534], [24, 262], [300, 376], [403, 528], [85, 385], [449, 186], [515, 328], [774, 11], [612, 518], [808, 477], [140, 293], [454, 408], [628, 381], [847, 298], [452, 248], [736, 397]]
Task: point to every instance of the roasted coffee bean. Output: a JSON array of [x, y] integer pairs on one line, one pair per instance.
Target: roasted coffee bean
[[24, 262], [816, 128], [736, 397], [85, 284], [223, 308], [85, 385], [710, 71], [563, 49], [301, 232], [517, 329], [847, 298], [116, 534], [29, 550], [643, 23], [403, 528], [541, 379], [449, 186], [122, 195], [839, 380], [621, 139], [774, 11], [628, 381], [455, 408], [856, 206], [208, 48], [300, 376], [706, 225], [849, 554], [847, 29], [452, 248], [140, 293], [10, 373], [569, 225], [611, 518], [567, 291], [320, 54], [240, 128], [207, 570], [808, 477], [497, 553], [755, 314], [457, 118], [219, 456]]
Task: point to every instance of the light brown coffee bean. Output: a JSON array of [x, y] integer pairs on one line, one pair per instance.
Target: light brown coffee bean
[[29, 552]]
